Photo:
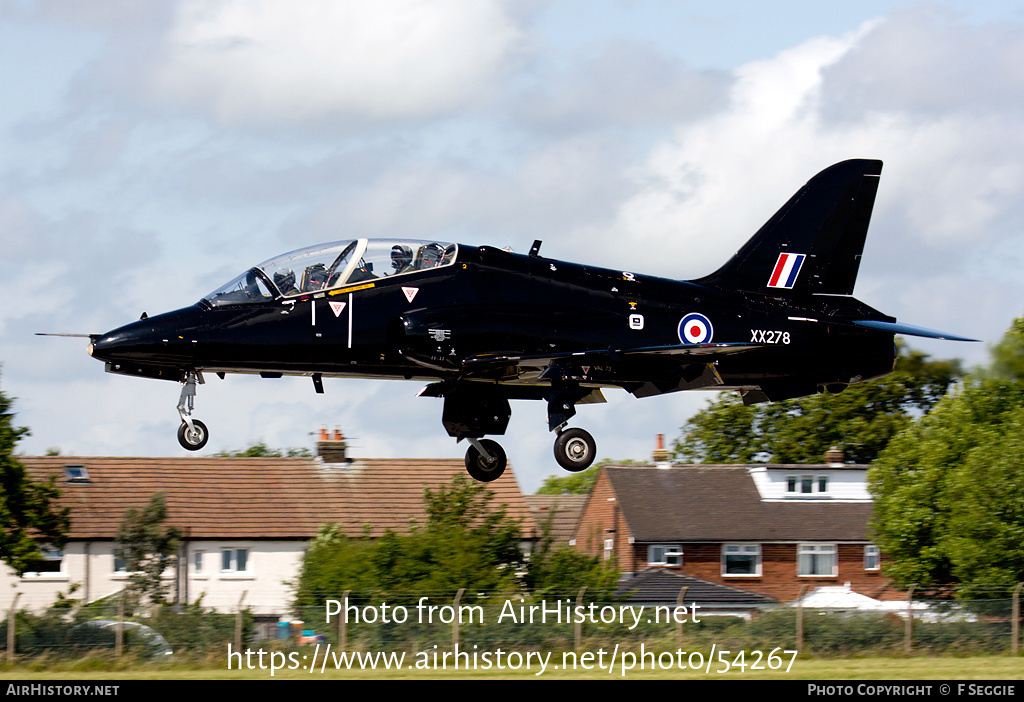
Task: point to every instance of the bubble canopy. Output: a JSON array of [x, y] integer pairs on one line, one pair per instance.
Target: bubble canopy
[[327, 266]]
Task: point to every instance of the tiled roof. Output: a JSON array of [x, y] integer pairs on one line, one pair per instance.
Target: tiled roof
[[260, 498], [660, 585], [721, 503], [563, 511]]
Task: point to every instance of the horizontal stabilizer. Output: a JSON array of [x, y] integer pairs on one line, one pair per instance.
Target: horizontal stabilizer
[[900, 328]]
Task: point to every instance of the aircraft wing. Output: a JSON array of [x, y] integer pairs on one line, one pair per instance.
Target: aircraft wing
[[701, 353]]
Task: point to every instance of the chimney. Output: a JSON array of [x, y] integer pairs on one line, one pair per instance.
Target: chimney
[[660, 454], [331, 448], [834, 456]]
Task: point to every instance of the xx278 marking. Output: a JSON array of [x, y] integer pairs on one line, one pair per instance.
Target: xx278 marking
[[769, 336]]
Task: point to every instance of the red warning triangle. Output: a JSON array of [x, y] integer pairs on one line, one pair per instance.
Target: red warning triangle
[[410, 293]]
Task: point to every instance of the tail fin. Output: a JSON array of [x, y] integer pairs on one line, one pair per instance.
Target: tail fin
[[813, 244]]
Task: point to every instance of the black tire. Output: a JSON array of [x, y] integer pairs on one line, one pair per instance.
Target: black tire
[[193, 440], [575, 450], [481, 469]]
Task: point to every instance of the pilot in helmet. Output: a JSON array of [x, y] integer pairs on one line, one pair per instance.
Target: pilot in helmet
[[285, 282], [401, 258]]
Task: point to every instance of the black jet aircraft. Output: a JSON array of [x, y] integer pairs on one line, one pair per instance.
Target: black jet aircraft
[[483, 326]]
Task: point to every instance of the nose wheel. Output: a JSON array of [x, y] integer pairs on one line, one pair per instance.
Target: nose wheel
[[192, 434], [575, 449], [193, 437]]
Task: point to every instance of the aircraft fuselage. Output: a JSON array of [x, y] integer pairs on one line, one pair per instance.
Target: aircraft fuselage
[[491, 303]]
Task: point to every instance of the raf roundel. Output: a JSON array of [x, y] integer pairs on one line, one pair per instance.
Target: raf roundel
[[695, 328]]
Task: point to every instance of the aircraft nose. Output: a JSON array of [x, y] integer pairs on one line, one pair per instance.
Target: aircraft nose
[[164, 340], [119, 344], [105, 346]]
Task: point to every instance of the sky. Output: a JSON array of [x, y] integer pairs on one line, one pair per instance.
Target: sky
[[150, 152]]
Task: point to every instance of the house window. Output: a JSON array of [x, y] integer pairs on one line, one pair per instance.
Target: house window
[[816, 559], [197, 562], [50, 564], [741, 559], [234, 560], [667, 554], [872, 557], [609, 549], [120, 565], [806, 484]]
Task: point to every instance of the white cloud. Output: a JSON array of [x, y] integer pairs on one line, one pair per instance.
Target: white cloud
[[950, 177], [257, 60]]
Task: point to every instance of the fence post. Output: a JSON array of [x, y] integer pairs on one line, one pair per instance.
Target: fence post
[[119, 632], [578, 633], [800, 620], [238, 622], [456, 619], [909, 631], [679, 603], [1015, 621], [10, 627], [343, 623]]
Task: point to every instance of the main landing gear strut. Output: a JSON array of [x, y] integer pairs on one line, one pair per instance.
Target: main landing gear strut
[[192, 434]]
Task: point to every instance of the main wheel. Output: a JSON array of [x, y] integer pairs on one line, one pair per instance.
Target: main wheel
[[575, 450], [479, 468], [193, 440]]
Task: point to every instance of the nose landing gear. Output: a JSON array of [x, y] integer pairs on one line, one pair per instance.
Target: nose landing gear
[[192, 434]]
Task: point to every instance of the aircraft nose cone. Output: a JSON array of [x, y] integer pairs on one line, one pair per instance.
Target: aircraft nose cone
[[102, 346]]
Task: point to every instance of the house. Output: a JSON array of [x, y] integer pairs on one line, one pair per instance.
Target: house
[[245, 521], [556, 515], [773, 529]]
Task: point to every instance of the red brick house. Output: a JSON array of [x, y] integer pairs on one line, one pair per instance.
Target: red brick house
[[772, 529]]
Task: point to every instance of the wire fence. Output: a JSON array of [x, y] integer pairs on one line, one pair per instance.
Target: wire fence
[[947, 621]]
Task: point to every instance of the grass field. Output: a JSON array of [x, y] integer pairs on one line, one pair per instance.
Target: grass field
[[876, 668]]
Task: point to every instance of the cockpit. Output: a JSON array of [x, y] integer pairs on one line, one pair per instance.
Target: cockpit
[[328, 266]]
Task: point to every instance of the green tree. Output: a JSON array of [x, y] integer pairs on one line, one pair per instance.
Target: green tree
[[466, 541], [579, 483], [334, 563], [147, 548], [573, 483], [1008, 354], [29, 513], [558, 569], [862, 419], [261, 450], [948, 490]]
